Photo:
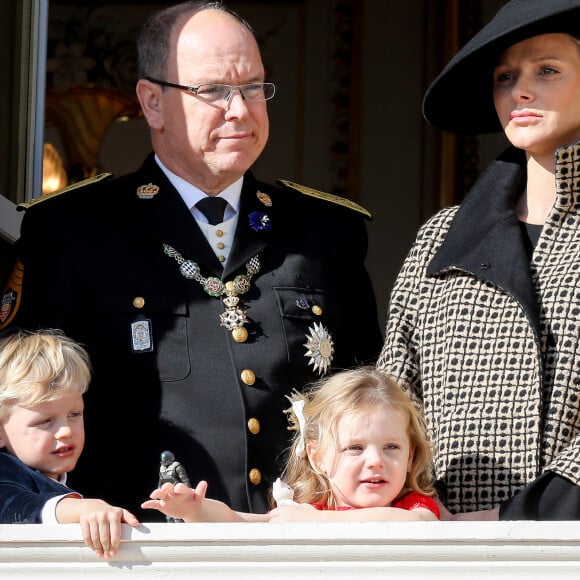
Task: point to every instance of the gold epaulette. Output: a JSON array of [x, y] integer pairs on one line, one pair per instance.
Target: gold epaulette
[[326, 196], [77, 185]]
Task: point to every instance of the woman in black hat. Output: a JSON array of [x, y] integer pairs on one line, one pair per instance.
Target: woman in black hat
[[484, 318]]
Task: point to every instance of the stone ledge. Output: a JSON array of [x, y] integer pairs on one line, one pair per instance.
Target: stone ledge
[[433, 550]]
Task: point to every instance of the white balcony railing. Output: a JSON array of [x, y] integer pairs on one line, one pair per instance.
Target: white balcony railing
[[409, 550]]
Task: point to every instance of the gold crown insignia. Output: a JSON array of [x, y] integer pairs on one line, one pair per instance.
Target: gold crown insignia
[[147, 191]]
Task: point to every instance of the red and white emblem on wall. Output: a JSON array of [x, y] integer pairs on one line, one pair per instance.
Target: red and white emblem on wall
[[10, 299]]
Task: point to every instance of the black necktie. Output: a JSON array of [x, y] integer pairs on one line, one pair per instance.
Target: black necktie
[[213, 209]]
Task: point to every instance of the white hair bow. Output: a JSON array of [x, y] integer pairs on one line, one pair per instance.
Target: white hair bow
[[298, 409]]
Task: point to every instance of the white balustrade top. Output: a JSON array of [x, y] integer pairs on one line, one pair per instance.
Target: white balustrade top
[[255, 551]]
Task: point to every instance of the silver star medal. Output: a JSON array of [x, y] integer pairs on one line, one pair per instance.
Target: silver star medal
[[319, 347]]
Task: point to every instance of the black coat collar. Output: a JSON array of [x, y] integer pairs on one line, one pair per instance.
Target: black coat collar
[[485, 237], [247, 241]]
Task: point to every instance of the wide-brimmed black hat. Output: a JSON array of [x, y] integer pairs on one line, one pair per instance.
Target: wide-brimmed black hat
[[460, 99]]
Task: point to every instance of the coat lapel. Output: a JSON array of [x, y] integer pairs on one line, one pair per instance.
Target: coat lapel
[[169, 220], [482, 228], [248, 241]]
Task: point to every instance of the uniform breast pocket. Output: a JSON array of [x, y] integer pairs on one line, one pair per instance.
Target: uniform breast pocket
[[173, 361], [146, 324], [308, 319]]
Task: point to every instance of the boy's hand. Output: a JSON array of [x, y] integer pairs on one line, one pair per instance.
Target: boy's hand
[[100, 523]]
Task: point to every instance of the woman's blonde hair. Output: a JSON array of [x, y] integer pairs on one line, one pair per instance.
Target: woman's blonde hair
[[40, 366], [324, 404]]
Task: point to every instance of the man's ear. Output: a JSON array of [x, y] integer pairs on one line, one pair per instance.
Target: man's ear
[[150, 97]]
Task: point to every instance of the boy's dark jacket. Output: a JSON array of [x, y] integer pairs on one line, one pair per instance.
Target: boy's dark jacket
[[24, 491]]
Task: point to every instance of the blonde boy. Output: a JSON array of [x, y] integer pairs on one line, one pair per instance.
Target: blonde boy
[[43, 376]]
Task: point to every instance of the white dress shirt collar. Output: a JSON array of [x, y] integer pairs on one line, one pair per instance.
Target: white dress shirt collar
[[192, 194]]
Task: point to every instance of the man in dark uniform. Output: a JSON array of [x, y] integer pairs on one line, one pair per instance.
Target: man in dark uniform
[[198, 327]]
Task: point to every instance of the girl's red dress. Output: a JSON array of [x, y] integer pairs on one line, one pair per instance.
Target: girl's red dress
[[410, 501]]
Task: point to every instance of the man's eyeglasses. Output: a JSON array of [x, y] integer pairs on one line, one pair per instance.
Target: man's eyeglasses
[[218, 93]]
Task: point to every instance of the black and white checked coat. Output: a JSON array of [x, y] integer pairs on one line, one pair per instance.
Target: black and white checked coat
[[489, 341]]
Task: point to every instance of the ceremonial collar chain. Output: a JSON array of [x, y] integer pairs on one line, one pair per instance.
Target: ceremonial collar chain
[[233, 317]]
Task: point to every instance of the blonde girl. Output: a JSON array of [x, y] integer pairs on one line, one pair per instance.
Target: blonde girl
[[359, 453]]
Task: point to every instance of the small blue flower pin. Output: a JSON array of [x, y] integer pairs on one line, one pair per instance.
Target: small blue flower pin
[[260, 222]]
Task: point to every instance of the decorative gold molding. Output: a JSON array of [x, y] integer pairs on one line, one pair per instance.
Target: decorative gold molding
[[82, 116]]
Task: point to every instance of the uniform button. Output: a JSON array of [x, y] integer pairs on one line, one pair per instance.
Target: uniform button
[[255, 476], [222, 258], [221, 245], [317, 310], [248, 377], [138, 302], [219, 233], [254, 426]]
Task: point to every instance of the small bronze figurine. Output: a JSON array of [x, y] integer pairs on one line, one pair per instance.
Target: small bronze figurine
[[171, 471]]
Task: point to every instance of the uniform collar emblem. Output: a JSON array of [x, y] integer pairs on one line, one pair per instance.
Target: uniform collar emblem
[[147, 191], [264, 198]]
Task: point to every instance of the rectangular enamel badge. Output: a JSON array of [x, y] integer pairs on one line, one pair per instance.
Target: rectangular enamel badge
[[141, 335]]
